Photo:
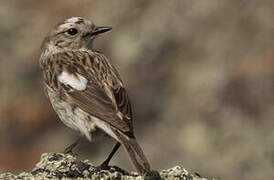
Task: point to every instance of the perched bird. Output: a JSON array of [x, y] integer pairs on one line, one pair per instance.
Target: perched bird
[[85, 89]]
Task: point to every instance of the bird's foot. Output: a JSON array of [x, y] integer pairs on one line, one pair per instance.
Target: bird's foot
[[152, 175], [104, 166], [69, 149]]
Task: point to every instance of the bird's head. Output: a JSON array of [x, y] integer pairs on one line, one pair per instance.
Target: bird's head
[[74, 33]]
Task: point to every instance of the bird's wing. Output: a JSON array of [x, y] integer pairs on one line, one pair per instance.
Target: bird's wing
[[89, 81]]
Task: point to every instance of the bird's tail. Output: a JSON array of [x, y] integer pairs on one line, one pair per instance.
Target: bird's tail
[[135, 152]]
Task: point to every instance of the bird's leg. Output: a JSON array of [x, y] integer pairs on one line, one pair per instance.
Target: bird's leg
[[72, 146], [104, 165]]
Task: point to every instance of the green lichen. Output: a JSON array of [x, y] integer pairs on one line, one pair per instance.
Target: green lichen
[[68, 167]]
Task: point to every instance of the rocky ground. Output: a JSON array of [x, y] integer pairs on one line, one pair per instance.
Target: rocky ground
[[67, 166]]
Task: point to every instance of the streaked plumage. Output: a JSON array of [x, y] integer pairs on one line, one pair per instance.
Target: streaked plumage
[[85, 89]]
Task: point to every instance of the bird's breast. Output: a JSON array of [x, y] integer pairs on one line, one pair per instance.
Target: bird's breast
[[71, 115]]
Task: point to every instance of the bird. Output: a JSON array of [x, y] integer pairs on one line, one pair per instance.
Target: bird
[[86, 90]]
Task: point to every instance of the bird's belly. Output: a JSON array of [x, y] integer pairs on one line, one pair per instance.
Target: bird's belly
[[72, 116]]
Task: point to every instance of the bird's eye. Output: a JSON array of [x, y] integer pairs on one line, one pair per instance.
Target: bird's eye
[[72, 31]]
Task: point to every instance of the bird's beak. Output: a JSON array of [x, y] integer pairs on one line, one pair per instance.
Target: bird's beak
[[99, 30]]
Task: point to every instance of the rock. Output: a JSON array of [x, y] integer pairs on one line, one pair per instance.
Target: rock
[[68, 167]]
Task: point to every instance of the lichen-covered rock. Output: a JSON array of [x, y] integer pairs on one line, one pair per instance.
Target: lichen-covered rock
[[68, 167]]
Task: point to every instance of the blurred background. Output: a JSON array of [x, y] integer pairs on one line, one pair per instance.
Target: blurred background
[[199, 74]]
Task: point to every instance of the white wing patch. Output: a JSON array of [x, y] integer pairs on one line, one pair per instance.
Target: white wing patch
[[77, 82]]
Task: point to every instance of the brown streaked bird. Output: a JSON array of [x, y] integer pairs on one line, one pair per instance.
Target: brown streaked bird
[[86, 90]]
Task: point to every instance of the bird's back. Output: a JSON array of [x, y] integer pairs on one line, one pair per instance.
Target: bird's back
[[82, 85]]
